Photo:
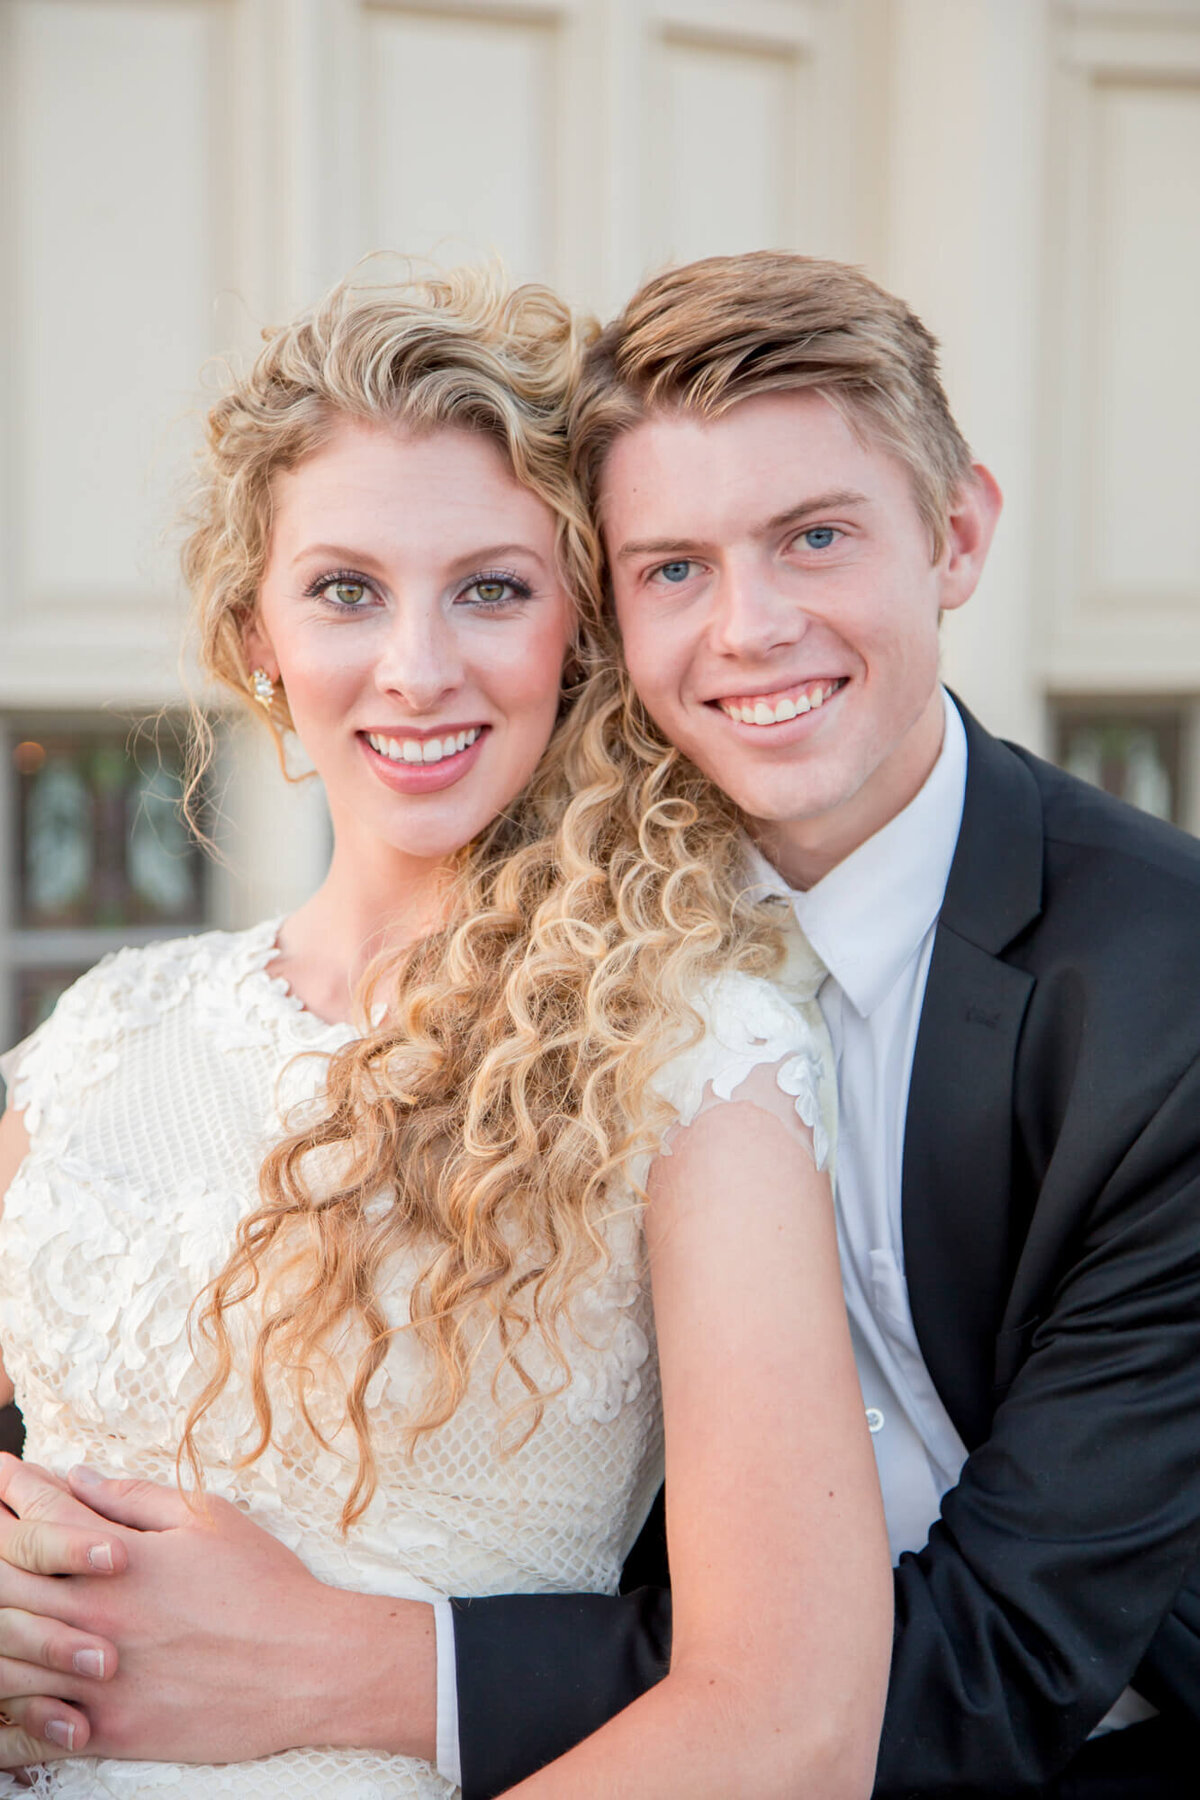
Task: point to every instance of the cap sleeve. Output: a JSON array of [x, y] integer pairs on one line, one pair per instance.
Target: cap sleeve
[[760, 1046], [44, 1072]]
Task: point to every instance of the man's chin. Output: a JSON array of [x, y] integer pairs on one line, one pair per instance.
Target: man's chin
[[800, 807]]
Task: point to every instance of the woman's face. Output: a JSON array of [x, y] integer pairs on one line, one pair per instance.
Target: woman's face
[[412, 609]]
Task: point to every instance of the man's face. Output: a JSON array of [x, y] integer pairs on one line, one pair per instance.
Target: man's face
[[779, 604]]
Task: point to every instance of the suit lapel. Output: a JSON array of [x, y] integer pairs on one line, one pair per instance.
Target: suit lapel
[[957, 1180]]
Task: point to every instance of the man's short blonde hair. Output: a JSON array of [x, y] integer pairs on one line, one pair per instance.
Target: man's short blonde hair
[[702, 337]]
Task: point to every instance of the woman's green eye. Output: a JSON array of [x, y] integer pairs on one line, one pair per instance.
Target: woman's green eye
[[490, 592], [348, 593]]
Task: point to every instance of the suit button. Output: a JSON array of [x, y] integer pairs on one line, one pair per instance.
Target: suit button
[[874, 1419]]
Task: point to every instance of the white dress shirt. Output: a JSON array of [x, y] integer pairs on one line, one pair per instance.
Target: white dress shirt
[[871, 920]]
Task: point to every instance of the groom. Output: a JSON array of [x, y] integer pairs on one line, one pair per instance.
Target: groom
[[1014, 999]]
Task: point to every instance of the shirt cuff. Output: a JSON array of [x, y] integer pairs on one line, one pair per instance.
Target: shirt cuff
[[449, 1762]]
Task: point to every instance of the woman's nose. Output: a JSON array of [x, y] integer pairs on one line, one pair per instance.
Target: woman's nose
[[420, 660]]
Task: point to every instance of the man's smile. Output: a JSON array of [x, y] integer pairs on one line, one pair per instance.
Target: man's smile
[[782, 704]]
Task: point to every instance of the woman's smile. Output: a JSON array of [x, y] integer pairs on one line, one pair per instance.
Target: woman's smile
[[412, 762]]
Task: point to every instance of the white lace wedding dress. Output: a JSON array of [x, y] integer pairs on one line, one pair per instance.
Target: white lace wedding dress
[[150, 1097]]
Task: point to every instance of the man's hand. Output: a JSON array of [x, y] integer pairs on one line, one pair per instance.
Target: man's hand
[[135, 1626]]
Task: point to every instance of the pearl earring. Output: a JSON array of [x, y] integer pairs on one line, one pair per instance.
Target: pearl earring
[[263, 688]]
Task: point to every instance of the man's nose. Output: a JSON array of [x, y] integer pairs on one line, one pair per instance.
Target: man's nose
[[420, 661], [750, 615]]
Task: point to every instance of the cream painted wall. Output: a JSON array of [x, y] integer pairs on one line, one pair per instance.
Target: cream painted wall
[[184, 171]]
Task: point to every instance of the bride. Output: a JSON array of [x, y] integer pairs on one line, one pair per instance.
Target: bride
[[419, 1160]]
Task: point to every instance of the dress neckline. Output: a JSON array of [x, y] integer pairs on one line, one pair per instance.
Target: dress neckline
[[272, 996]]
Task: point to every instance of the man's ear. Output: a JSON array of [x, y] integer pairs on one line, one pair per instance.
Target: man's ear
[[973, 516]]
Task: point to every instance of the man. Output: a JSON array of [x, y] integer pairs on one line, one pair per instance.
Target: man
[[788, 509]]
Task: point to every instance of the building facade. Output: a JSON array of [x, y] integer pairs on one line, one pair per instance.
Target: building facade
[[181, 172]]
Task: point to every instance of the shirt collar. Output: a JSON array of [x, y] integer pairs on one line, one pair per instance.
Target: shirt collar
[[865, 945]]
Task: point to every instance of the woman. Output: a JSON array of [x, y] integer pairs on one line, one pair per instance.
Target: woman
[[400, 1142]]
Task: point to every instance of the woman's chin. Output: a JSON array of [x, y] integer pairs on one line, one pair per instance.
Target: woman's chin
[[367, 837]]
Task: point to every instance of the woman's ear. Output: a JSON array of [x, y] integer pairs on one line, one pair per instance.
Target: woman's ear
[[257, 646]]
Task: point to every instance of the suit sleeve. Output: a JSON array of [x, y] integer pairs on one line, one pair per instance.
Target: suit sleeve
[[537, 1673], [1062, 1549]]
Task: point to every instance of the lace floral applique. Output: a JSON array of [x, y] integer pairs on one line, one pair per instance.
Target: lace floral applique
[[613, 1347], [750, 1023]]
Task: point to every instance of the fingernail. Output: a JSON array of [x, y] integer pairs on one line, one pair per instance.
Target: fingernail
[[86, 1477], [59, 1732], [89, 1662], [100, 1557]]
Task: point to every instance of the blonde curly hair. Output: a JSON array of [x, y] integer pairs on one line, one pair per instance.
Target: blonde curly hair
[[500, 1090]]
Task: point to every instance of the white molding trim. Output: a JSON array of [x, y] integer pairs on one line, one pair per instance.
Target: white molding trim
[[1136, 13], [738, 24], [1162, 55], [521, 12]]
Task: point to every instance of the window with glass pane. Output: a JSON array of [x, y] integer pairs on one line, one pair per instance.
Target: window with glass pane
[[102, 839], [1131, 748], [101, 853]]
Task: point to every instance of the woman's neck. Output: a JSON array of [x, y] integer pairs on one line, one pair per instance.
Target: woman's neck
[[364, 905]]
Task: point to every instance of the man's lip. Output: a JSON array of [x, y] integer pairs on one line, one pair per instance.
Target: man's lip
[[783, 690]]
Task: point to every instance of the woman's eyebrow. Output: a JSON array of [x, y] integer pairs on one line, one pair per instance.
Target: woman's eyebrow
[[491, 552], [370, 559], [344, 553]]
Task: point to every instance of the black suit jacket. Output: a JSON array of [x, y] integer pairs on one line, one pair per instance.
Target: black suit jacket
[[1051, 1208]]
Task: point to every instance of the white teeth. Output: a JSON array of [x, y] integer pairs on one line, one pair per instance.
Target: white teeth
[[762, 712], [421, 750]]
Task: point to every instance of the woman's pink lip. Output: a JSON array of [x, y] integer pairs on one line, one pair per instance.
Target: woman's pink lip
[[425, 778]]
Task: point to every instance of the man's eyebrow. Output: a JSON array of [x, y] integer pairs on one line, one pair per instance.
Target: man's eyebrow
[[804, 509], [659, 547]]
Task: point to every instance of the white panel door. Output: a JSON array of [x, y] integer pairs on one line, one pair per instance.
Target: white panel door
[[1144, 510], [113, 263], [460, 132], [726, 176], [1122, 375]]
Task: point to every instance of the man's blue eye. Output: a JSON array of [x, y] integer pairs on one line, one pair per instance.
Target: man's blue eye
[[819, 537], [675, 571]]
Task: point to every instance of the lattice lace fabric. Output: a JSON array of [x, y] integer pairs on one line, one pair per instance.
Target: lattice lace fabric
[[150, 1097]]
